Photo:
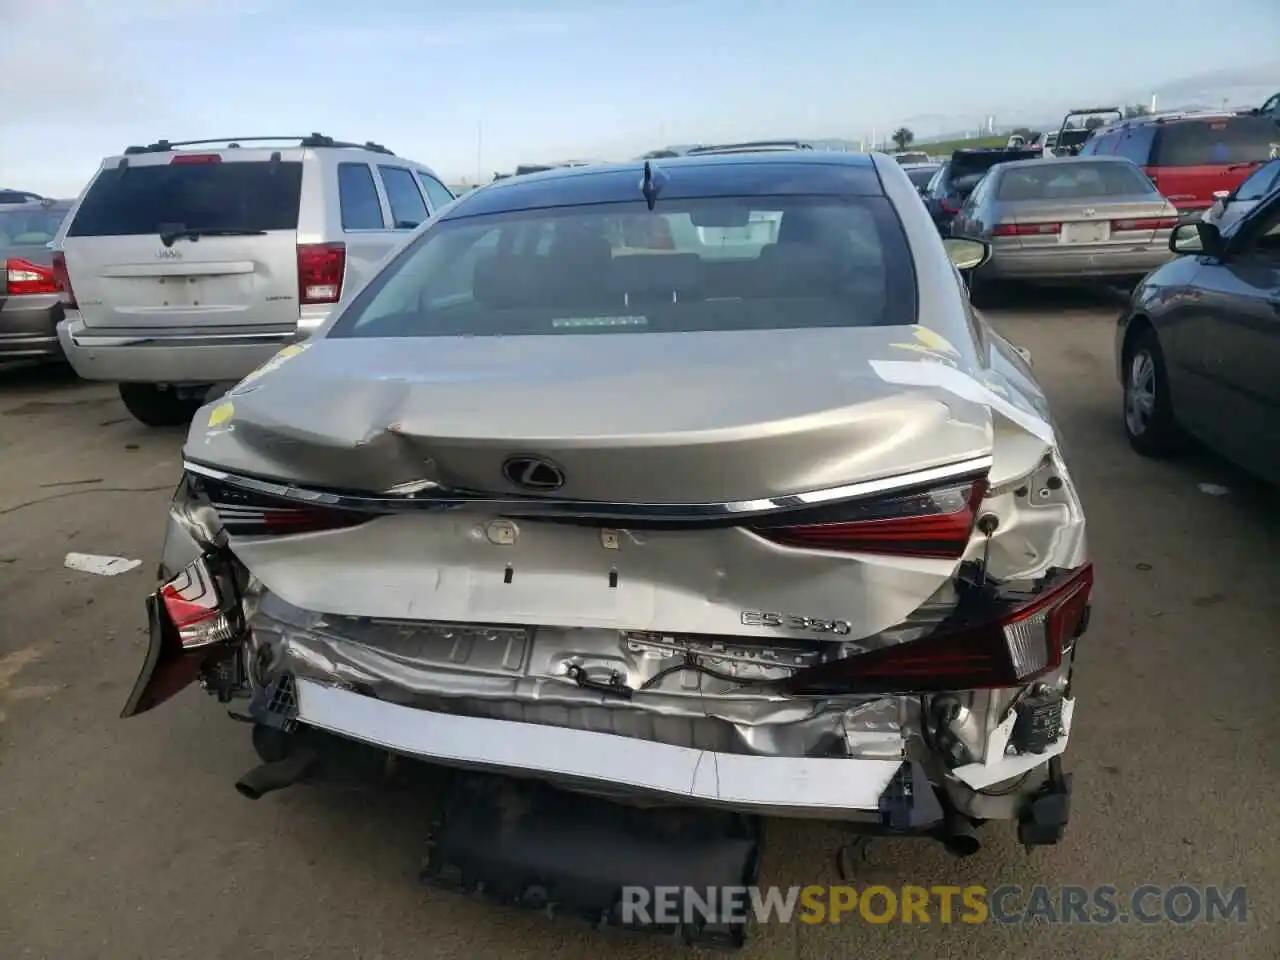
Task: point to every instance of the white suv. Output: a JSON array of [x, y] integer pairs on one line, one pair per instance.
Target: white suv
[[187, 265]]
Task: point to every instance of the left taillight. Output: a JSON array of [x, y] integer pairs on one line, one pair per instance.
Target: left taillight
[[1007, 648], [196, 619], [1026, 229], [23, 278], [934, 522], [62, 279], [246, 513], [202, 604]]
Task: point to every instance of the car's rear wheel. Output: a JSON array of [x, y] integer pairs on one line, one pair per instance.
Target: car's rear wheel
[[158, 406], [1148, 406]]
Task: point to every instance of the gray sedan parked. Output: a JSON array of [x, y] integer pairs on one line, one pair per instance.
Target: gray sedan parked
[[1068, 219], [30, 306]]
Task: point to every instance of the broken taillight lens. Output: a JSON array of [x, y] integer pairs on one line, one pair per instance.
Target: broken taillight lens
[[195, 618], [936, 522], [202, 606], [1025, 640]]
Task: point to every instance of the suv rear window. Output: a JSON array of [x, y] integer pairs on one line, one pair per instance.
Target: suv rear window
[[967, 164], [692, 265], [1216, 142], [236, 195], [29, 225]]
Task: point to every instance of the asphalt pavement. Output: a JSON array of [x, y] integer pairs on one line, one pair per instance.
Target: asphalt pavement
[[124, 839]]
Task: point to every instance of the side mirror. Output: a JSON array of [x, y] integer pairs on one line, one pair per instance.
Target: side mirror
[[966, 253], [1196, 238]]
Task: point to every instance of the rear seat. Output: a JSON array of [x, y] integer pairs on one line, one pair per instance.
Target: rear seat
[[657, 278]]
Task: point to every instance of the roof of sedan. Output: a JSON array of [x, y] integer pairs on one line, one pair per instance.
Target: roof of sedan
[[716, 175], [1061, 161]]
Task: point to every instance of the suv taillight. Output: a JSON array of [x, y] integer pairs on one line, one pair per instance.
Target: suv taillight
[[321, 267], [62, 280], [22, 278]]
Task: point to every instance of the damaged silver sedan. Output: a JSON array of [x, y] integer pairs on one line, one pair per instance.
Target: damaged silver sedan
[[684, 483]]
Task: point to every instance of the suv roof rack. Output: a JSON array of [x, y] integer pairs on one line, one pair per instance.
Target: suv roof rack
[[314, 140], [748, 146], [1168, 115]]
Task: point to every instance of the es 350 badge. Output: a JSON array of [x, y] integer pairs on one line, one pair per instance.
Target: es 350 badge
[[792, 621]]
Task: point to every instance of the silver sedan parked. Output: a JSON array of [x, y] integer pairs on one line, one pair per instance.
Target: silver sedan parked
[[695, 513], [1068, 219]]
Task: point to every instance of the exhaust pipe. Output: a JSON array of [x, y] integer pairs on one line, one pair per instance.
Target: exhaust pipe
[[959, 835], [277, 775]]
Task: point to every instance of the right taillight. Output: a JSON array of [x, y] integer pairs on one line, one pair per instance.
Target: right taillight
[[934, 522], [62, 280], [1149, 223], [1005, 649], [321, 268]]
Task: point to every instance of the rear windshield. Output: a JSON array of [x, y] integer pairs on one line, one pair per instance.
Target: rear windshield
[[29, 226], [1079, 180], [239, 195], [1218, 142], [693, 265], [965, 164], [921, 176]]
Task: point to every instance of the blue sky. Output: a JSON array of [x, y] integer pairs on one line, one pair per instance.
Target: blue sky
[[562, 79]]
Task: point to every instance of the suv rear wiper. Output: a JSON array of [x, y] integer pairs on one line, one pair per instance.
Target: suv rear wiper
[[169, 233]]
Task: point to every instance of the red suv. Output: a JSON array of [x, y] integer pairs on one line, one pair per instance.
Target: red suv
[[1190, 157]]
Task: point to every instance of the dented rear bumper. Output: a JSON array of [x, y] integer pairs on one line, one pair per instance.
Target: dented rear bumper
[[830, 788]]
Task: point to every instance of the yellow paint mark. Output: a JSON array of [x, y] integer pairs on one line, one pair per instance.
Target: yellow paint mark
[[928, 341], [221, 414], [275, 362]]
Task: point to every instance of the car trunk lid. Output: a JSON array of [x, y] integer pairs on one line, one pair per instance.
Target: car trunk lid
[[159, 243], [675, 452], [690, 417], [1101, 224]]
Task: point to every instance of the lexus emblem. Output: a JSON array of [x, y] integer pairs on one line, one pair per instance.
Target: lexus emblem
[[533, 473], [1088, 211]]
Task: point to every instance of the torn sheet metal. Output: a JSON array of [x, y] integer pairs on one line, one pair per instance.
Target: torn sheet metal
[[943, 376], [523, 675], [103, 566], [997, 766], [834, 788]]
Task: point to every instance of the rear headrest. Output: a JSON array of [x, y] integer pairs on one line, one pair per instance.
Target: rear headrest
[[796, 270], [658, 276], [799, 226], [501, 280], [577, 248]]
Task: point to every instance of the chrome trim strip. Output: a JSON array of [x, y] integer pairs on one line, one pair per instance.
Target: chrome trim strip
[[439, 498], [790, 785], [193, 340]]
